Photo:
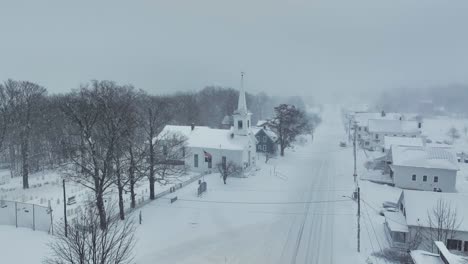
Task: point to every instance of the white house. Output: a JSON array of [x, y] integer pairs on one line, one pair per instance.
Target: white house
[[361, 120], [379, 128], [207, 146], [423, 168], [413, 217]]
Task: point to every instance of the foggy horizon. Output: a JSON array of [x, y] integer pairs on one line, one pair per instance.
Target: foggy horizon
[[320, 49]]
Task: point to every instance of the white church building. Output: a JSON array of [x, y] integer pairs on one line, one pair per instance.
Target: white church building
[[207, 146]]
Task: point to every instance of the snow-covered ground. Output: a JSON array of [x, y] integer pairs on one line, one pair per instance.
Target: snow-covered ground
[[22, 245], [294, 209], [297, 215]]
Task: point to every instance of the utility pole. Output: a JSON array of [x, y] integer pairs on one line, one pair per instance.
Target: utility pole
[[65, 209], [354, 152], [359, 220], [358, 195]]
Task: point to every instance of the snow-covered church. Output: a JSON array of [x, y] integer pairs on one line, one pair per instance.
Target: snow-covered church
[[207, 146]]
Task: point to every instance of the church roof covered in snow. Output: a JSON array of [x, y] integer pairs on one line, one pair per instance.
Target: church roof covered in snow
[[206, 137], [424, 157], [393, 126]]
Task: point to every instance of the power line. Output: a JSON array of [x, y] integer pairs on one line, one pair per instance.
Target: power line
[[375, 233], [386, 217], [254, 203], [368, 235]]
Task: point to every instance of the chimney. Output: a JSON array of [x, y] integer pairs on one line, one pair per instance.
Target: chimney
[[192, 126]]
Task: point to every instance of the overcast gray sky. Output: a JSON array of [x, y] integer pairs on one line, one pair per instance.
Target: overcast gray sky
[[286, 47]]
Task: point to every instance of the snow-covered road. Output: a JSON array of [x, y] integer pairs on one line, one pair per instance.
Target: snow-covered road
[[291, 211]]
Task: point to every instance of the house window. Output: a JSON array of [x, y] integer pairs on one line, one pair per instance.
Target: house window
[[465, 247], [264, 139], [264, 147], [454, 244], [248, 123], [259, 147], [436, 178], [359, 129], [413, 177], [376, 136], [239, 124], [195, 160], [359, 136], [165, 150], [424, 178]]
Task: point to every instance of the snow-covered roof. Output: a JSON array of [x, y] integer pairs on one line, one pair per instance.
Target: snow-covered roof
[[396, 222], [450, 257], [362, 119], [272, 135], [424, 257], [424, 157], [261, 123], [205, 137], [419, 203], [403, 141], [393, 126]]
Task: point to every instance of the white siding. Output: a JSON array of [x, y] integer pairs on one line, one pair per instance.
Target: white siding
[[402, 177]]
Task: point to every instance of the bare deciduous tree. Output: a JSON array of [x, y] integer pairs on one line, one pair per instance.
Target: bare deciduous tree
[[154, 115], [228, 169], [97, 114], [443, 224], [23, 99], [453, 134], [87, 243]]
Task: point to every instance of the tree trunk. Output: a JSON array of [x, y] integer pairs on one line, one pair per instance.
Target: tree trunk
[[151, 173], [151, 182], [100, 200], [25, 161], [12, 152], [131, 174], [120, 191], [151, 153], [101, 209], [121, 202]]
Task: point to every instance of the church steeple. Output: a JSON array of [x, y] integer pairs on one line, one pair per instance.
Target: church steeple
[[242, 115], [242, 104]]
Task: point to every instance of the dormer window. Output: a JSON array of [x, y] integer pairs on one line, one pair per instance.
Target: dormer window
[[239, 124]]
